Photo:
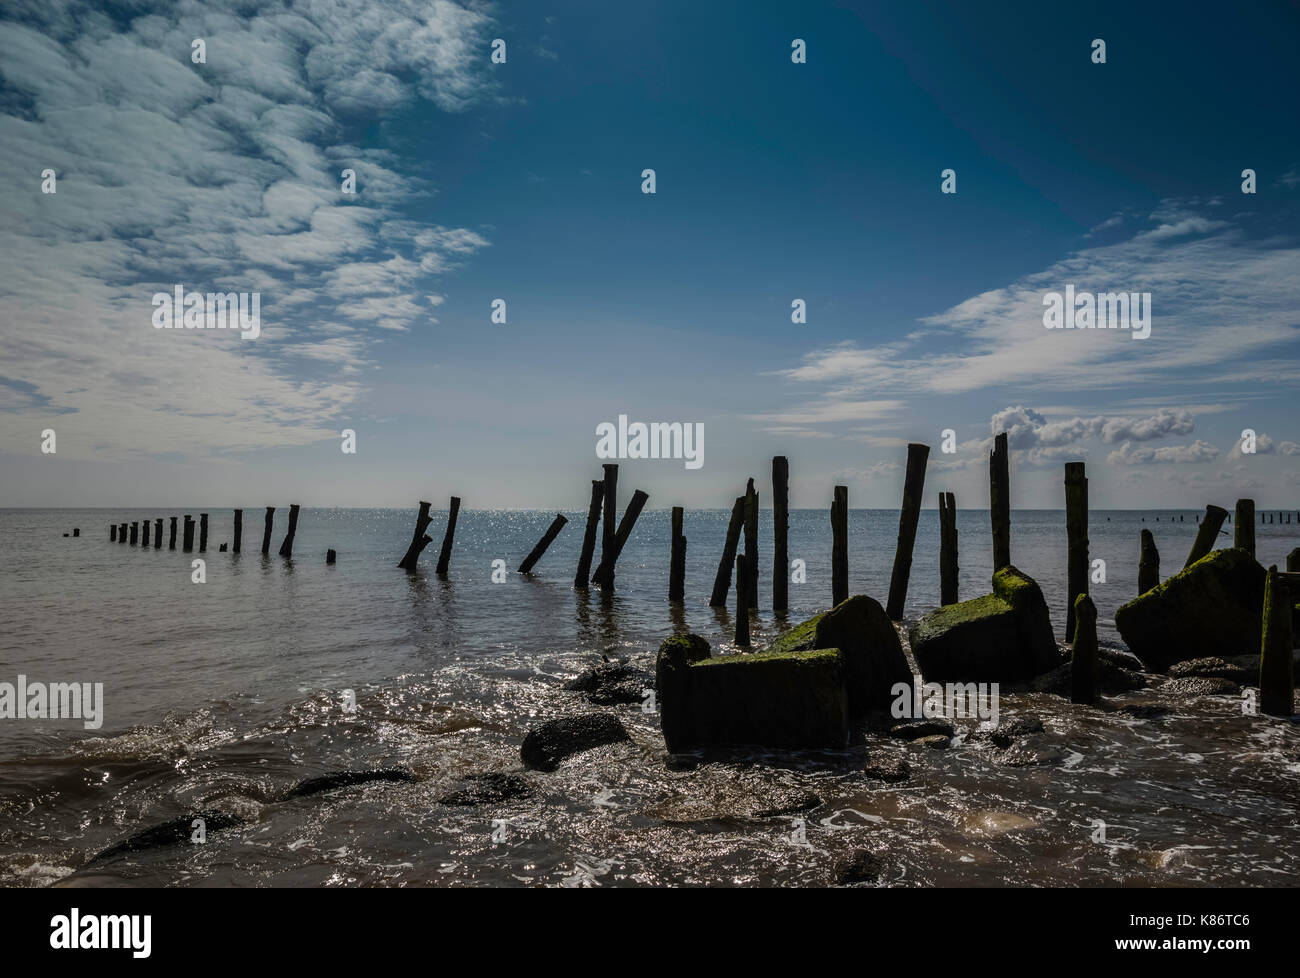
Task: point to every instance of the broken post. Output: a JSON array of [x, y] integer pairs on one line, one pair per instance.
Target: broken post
[[171, 536], [330, 556], [444, 558], [751, 544], [722, 582], [589, 537], [157, 533], [1000, 503], [947, 548], [239, 529], [1148, 564], [840, 546], [144, 534], [677, 562], [908, 515], [780, 531], [419, 539], [203, 532], [608, 527], [135, 533], [1084, 664], [742, 602], [604, 575], [266, 530], [551, 533], [1207, 535], [1076, 533], [1243, 530], [286, 548], [187, 538], [112, 533], [121, 533], [1276, 679]]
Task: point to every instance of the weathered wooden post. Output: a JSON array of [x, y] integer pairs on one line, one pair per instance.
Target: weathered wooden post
[[144, 534], [551, 533], [1208, 535], [1084, 665], [1000, 502], [135, 533], [742, 602], [286, 548], [608, 527], [221, 549], [751, 543], [947, 548], [330, 556], [908, 515], [76, 531], [157, 533], [448, 538], [187, 534], [112, 533], [1276, 679], [419, 539], [1293, 561], [171, 536], [677, 562], [1148, 563], [722, 582], [780, 533], [589, 537], [266, 530], [121, 533], [1243, 530], [604, 575], [840, 546], [239, 530], [1076, 532], [203, 532]]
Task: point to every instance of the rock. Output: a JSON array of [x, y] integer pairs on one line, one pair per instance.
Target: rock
[[1030, 755], [1004, 734], [546, 746], [915, 729], [1003, 637], [345, 779], [933, 741], [1120, 657], [731, 797], [1145, 711], [861, 867], [890, 769], [612, 683], [1111, 680], [1199, 686], [1212, 608], [873, 652], [672, 683], [178, 831], [1213, 667], [491, 788], [681, 762], [801, 638], [795, 801]]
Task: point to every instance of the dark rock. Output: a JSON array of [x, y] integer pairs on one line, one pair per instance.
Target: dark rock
[[1004, 734], [861, 867], [796, 801], [890, 769], [546, 746], [673, 686], [1199, 686], [873, 652], [1030, 755], [1111, 680], [612, 683], [346, 779], [1121, 658], [491, 788], [681, 762], [934, 741], [177, 832], [1146, 711], [915, 729], [1213, 667]]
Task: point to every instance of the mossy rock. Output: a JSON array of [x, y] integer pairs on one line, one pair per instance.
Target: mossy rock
[[1212, 608], [673, 691], [801, 638], [873, 652]]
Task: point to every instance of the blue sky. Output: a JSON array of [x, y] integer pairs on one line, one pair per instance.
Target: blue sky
[[522, 181]]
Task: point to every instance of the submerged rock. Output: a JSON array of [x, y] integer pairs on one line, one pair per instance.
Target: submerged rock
[[889, 769], [731, 798], [859, 868], [1005, 733], [915, 729], [546, 746], [1111, 680], [612, 683], [934, 741], [491, 788], [1199, 686], [1213, 667], [179, 831], [346, 779], [1212, 608], [1003, 637]]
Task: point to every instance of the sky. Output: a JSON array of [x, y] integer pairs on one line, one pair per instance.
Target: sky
[[522, 181]]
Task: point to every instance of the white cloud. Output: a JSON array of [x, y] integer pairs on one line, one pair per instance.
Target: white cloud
[[1197, 451]]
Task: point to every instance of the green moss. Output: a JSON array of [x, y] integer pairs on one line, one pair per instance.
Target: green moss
[[1015, 588], [952, 615], [684, 648], [798, 639], [812, 657]]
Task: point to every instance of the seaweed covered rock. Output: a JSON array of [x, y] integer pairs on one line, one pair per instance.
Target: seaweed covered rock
[[873, 652], [346, 779], [1210, 609], [546, 746], [178, 831], [672, 684], [488, 788], [801, 638], [1003, 637], [611, 683]]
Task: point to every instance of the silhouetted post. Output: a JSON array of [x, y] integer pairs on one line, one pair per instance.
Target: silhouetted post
[[1148, 563], [722, 582], [444, 558], [135, 533], [1000, 502], [203, 532], [187, 540], [266, 530], [419, 539], [751, 543], [947, 548], [330, 556], [239, 529], [609, 527], [286, 548], [1276, 680], [1208, 535], [589, 537], [1076, 533], [171, 536], [742, 602], [908, 515], [112, 533], [121, 533], [551, 533], [677, 562], [222, 548], [157, 533], [604, 575], [1243, 531], [780, 532], [1084, 666], [840, 546], [144, 534], [1293, 561]]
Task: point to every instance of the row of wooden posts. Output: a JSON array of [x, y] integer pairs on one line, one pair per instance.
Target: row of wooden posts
[[138, 533]]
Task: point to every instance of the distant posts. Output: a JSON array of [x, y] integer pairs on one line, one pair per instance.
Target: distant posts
[[171, 536], [1207, 535], [604, 575], [908, 515], [1076, 532], [1084, 665], [751, 544], [840, 546], [419, 539], [677, 562], [608, 528], [742, 602], [448, 538], [947, 548], [1243, 526], [1276, 680], [1148, 564], [551, 533], [330, 556], [1000, 502], [239, 530], [780, 533], [266, 530], [589, 537], [203, 532], [188, 538], [286, 548], [135, 533], [722, 582], [121, 531], [157, 533]]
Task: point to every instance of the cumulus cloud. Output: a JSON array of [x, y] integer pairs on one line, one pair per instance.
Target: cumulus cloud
[[1197, 451]]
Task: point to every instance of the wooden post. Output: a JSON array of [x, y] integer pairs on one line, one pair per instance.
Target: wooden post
[[144, 534], [444, 558], [722, 582], [266, 530], [780, 533], [608, 528], [751, 544], [239, 529], [1243, 530], [1276, 680], [535, 554], [604, 575], [1076, 533], [187, 538], [742, 602], [286, 548], [203, 532], [121, 533], [419, 539], [171, 537], [157, 533], [1293, 561], [330, 556], [908, 515], [1208, 535], [677, 562], [135, 533], [222, 548], [1148, 563], [1000, 502], [947, 548], [840, 546], [1084, 666], [589, 537], [112, 533]]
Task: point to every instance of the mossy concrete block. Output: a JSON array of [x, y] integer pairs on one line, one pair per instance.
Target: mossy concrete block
[[873, 652], [1210, 609], [801, 638]]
